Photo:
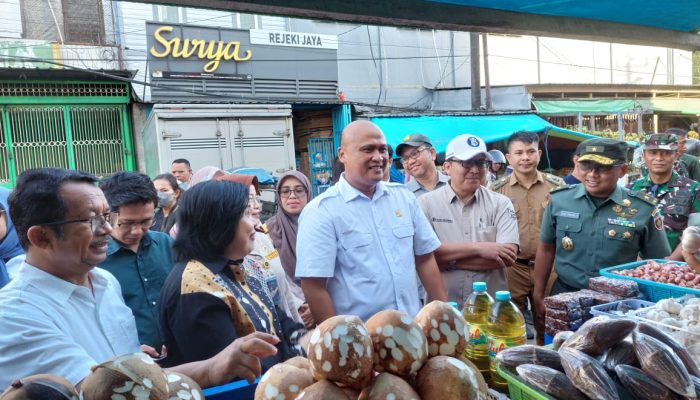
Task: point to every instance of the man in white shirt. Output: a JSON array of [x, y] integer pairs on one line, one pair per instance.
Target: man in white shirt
[[61, 315], [362, 243]]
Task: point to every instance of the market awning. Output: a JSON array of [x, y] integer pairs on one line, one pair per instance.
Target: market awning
[[612, 106], [491, 128], [646, 22]]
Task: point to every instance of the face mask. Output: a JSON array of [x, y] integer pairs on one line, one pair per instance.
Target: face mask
[[164, 199]]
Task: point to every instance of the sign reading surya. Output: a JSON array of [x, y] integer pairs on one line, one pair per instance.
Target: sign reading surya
[[214, 51]]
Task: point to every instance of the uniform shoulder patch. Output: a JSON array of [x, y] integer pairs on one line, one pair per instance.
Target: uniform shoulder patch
[[562, 188], [554, 180], [643, 196], [499, 183]]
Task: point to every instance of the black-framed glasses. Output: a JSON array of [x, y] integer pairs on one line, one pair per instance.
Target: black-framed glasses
[[469, 164], [130, 225], [413, 155], [587, 167], [96, 221], [287, 192]]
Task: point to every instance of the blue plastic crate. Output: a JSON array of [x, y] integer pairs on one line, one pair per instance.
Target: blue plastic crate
[[652, 291], [607, 309], [548, 339], [238, 390]]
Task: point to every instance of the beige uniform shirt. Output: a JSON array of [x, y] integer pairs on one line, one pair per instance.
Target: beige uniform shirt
[[488, 217], [529, 206]]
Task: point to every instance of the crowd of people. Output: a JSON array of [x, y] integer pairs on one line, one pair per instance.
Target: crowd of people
[[182, 268]]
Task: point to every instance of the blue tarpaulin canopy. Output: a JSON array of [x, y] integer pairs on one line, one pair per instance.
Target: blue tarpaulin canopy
[[491, 128]]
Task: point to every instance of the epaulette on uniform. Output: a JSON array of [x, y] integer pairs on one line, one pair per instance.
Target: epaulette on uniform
[[562, 188], [643, 196], [498, 183], [554, 180]]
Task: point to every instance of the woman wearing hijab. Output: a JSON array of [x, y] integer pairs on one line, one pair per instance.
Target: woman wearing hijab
[[264, 259], [293, 193]]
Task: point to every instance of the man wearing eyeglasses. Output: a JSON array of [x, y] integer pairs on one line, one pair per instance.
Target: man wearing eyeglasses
[[677, 196], [418, 159], [477, 227], [595, 224], [139, 258]]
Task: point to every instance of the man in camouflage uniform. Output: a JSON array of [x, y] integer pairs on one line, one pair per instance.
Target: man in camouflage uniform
[[686, 164], [677, 196], [528, 189], [595, 224]]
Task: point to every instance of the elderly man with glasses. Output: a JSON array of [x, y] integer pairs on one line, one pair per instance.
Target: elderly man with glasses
[[477, 227], [418, 159], [595, 224]]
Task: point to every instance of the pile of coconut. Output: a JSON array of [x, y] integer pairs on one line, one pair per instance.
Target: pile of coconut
[[126, 377], [390, 356]]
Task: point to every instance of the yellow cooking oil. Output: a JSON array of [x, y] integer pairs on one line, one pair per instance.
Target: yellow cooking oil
[[505, 329], [476, 313]]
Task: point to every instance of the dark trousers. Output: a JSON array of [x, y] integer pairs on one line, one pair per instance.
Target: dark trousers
[[561, 287]]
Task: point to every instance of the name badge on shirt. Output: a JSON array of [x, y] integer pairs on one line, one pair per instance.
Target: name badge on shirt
[[273, 254], [621, 222], [569, 214]]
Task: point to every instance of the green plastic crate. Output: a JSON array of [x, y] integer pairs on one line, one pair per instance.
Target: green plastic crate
[[519, 390]]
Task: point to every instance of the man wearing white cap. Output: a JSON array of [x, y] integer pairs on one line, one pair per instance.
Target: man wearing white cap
[[477, 227]]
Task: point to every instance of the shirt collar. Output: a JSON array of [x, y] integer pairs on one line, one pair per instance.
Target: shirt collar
[[349, 193], [114, 246], [54, 287], [452, 196], [217, 265], [616, 195], [513, 180]]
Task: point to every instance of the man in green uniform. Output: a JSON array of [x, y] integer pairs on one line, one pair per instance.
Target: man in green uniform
[[595, 224], [677, 196], [687, 165]]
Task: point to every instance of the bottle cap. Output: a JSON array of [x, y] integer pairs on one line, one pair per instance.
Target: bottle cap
[[502, 295], [479, 286]]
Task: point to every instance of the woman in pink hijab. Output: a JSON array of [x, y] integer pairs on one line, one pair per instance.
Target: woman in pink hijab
[[292, 194]]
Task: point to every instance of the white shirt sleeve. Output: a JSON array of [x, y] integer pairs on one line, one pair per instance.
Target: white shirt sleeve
[[316, 243], [30, 342]]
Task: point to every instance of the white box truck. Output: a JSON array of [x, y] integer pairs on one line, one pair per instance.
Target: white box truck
[[221, 135]]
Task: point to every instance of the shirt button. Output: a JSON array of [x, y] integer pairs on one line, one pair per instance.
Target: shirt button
[[154, 303], [145, 279]]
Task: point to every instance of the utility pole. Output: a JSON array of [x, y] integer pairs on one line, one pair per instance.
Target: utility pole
[[475, 61], [487, 80]]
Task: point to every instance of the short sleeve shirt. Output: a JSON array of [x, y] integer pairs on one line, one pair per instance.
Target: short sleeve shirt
[[615, 232], [488, 217], [366, 247], [51, 326]]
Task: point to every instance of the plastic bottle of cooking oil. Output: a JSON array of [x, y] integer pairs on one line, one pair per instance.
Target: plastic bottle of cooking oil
[[506, 328], [476, 312]]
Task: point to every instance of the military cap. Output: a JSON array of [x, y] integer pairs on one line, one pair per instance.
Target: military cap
[[604, 151], [661, 141], [413, 140]]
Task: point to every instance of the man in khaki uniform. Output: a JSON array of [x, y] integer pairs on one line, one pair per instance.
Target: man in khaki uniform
[[528, 189], [476, 227]]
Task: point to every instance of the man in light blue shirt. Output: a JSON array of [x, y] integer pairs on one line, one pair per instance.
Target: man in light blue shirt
[[362, 243]]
